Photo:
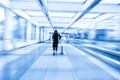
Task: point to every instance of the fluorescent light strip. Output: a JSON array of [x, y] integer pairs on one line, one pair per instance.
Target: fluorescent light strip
[[104, 17], [35, 13], [90, 15], [111, 1], [61, 14], [21, 12], [68, 0]]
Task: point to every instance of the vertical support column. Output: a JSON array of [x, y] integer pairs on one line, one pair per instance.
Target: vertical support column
[[37, 33], [43, 34], [28, 33], [92, 32], [117, 29], [6, 37], [82, 33]]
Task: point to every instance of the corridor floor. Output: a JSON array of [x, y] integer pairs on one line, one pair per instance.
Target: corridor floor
[[36, 62]]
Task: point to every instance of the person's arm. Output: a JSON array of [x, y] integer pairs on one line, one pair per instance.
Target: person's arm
[[53, 36], [59, 36]]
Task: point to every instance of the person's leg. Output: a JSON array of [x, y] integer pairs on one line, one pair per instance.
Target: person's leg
[[56, 47], [53, 49]]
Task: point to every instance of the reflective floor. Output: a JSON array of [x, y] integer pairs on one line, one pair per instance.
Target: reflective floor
[[36, 62]]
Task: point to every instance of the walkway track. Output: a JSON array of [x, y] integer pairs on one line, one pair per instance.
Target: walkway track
[[73, 65]]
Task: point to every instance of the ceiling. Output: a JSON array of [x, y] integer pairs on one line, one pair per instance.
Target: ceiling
[[69, 15]]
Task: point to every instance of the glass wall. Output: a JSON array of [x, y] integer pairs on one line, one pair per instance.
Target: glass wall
[[15, 30], [20, 28], [33, 34], [2, 20]]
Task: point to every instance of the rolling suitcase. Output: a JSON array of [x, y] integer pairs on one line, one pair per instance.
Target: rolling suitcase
[[61, 50]]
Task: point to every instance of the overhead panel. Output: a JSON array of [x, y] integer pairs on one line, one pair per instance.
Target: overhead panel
[[71, 31], [68, 31], [24, 5], [62, 14], [110, 1], [80, 25], [39, 19], [107, 22], [104, 17], [21, 12], [5, 2], [85, 21], [89, 4], [106, 8], [44, 7], [24, 0], [115, 17], [59, 19], [65, 7], [68, 0], [90, 15], [110, 20], [60, 25], [35, 13], [44, 24]]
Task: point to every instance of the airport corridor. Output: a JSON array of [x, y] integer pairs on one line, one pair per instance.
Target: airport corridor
[[87, 31]]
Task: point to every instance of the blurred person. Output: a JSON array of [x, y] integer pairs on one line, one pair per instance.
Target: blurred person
[[55, 37]]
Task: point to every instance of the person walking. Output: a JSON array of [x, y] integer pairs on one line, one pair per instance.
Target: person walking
[[55, 37]]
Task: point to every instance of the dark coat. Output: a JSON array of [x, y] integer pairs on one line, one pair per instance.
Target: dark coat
[[56, 37]]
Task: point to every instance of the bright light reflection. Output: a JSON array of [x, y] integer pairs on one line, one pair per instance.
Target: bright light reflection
[[111, 1], [2, 16], [35, 13], [20, 12], [105, 17], [60, 25], [68, 0], [61, 14], [90, 15], [80, 25]]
